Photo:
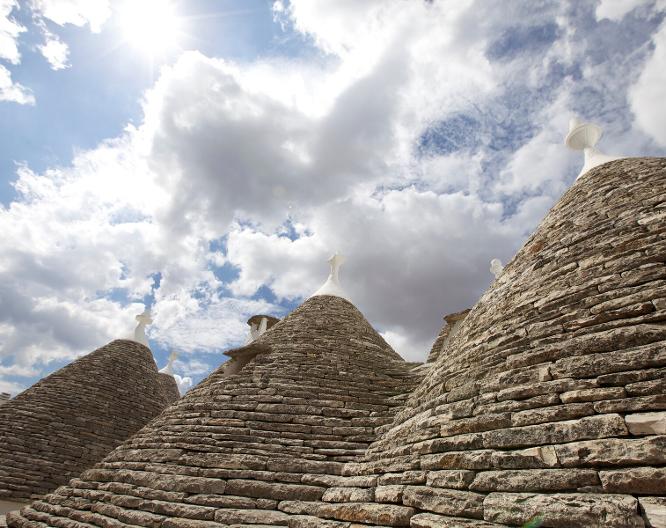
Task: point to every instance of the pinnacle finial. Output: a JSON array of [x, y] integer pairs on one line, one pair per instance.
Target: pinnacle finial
[[496, 267], [143, 320], [332, 285], [168, 369], [258, 325], [584, 136]]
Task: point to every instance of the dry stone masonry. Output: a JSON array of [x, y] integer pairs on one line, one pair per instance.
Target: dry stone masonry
[[71, 419], [451, 326], [236, 446], [549, 400]]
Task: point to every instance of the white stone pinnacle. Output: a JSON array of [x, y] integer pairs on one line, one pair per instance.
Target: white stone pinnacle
[[257, 330], [332, 285], [496, 267], [143, 320], [584, 136], [169, 366]]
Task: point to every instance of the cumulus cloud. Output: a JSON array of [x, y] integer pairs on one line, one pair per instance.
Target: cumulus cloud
[[184, 383], [414, 256], [9, 32], [647, 95], [55, 51], [91, 13], [616, 10], [212, 325], [76, 12], [13, 91], [422, 141]]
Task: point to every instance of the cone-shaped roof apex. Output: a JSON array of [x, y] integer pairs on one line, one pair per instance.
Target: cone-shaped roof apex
[[332, 285]]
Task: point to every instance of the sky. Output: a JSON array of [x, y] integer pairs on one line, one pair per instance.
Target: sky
[[205, 157]]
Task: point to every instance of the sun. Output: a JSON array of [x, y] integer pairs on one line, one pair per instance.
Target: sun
[[152, 26]]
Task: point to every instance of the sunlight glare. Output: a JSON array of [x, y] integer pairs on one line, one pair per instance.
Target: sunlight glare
[[152, 26]]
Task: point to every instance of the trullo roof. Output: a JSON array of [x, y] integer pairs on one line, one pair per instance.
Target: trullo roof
[[70, 420], [308, 401]]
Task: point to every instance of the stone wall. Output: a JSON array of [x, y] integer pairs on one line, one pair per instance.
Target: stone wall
[[71, 419]]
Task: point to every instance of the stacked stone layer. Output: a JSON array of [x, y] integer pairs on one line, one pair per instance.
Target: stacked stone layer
[[549, 400], [448, 331], [237, 445], [73, 418]]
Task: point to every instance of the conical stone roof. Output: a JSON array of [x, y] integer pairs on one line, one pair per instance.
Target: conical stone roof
[[70, 420], [306, 401], [550, 399]]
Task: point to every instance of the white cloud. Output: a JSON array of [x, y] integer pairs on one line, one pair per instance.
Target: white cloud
[[542, 165], [55, 51], [192, 366], [188, 324], [616, 10], [184, 383], [11, 387], [77, 12], [424, 142], [409, 348], [647, 95], [9, 32], [413, 257], [13, 91]]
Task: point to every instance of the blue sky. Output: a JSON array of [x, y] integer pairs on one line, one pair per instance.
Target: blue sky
[[209, 169]]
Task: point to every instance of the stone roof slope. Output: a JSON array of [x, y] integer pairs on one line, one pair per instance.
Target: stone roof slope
[[74, 417], [550, 400], [452, 323], [281, 428]]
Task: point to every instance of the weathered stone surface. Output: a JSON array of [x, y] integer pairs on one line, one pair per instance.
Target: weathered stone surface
[[564, 510], [449, 502], [362, 481], [640, 403], [251, 517], [430, 520], [452, 479], [613, 452], [407, 477], [272, 490], [344, 495], [551, 414], [389, 494], [368, 513], [608, 425], [596, 394], [308, 521], [640, 480], [654, 511], [534, 480], [646, 423]]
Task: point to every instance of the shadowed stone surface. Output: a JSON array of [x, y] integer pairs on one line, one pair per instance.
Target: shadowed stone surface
[[71, 419], [549, 400]]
